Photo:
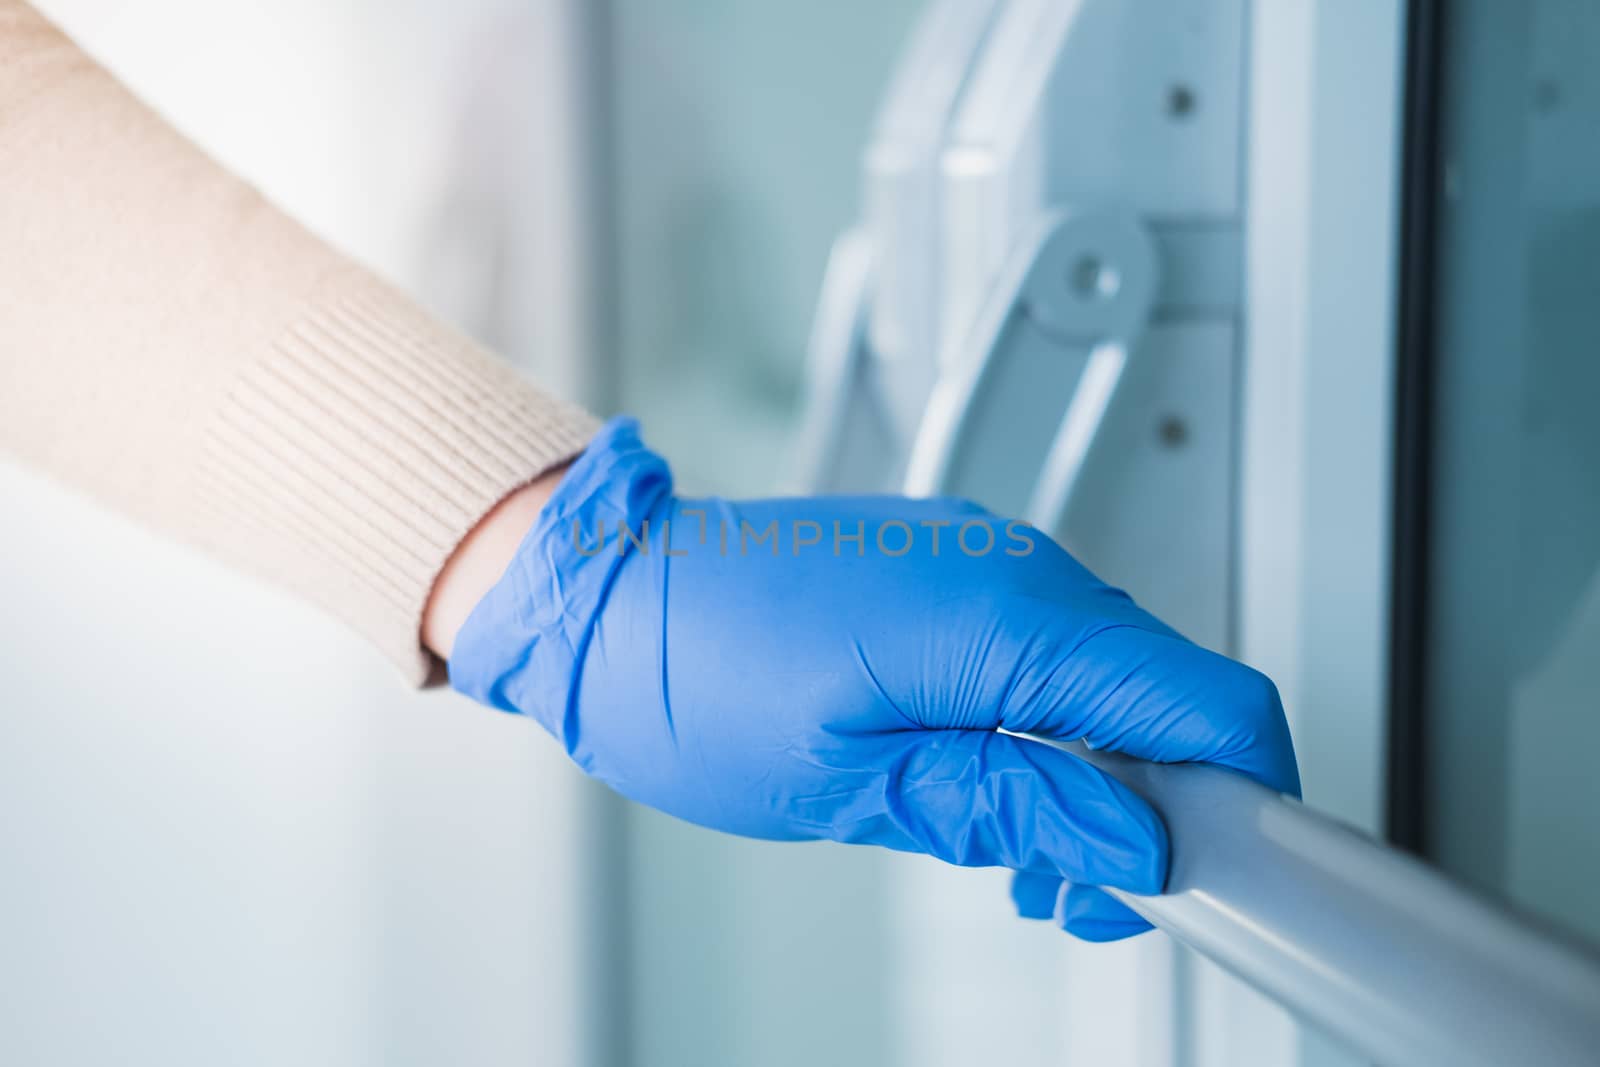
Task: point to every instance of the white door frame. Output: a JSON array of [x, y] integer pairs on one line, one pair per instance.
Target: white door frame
[[1327, 87]]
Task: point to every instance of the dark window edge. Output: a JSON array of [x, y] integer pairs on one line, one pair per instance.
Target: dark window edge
[[1407, 778]]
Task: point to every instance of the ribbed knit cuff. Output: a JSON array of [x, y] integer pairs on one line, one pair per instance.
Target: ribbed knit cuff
[[350, 461]]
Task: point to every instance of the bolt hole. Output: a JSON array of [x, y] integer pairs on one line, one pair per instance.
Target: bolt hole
[[1181, 101], [1172, 431], [1095, 280]]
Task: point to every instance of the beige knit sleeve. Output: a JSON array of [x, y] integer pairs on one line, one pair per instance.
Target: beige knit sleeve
[[175, 346]]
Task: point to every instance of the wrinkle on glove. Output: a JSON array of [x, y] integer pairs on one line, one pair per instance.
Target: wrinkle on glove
[[840, 668]]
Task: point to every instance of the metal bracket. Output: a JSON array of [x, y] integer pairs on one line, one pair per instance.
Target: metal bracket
[[1044, 359], [842, 417]]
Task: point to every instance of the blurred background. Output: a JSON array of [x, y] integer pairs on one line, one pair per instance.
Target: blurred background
[[237, 839]]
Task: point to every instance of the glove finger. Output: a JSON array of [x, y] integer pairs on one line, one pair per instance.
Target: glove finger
[[1160, 697], [1092, 914], [982, 799], [1086, 912], [1034, 895]]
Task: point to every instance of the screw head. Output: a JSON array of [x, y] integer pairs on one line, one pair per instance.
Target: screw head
[[1172, 431], [1181, 101], [1093, 279]]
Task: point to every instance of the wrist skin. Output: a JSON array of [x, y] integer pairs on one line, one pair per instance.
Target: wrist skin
[[480, 560]]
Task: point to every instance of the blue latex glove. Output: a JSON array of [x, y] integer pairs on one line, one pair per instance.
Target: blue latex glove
[[800, 687]]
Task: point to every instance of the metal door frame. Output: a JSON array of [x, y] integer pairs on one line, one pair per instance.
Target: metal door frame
[[1327, 89]]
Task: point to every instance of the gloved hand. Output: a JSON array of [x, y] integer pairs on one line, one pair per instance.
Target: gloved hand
[[841, 667]]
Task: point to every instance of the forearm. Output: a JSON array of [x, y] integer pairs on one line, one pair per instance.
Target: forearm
[[480, 561], [172, 344]]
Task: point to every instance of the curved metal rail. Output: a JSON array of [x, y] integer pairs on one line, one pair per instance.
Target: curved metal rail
[[1381, 950]]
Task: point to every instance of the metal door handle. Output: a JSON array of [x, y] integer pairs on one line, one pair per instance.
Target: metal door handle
[[1380, 949]]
